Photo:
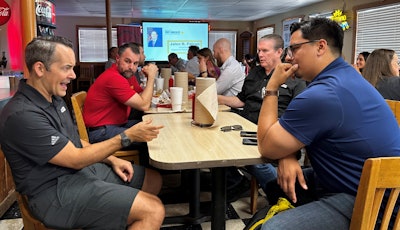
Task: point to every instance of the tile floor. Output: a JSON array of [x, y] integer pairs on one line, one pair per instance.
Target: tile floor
[[237, 213]]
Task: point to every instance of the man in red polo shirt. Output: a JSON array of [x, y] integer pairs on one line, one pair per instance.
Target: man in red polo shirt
[[114, 93]]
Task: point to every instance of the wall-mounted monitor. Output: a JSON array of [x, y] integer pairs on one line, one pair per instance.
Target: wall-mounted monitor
[[163, 38]]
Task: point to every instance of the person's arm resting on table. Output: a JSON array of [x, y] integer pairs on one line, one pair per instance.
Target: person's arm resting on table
[[274, 142], [78, 158]]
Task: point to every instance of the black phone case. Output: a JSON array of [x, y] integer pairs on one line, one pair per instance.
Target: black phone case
[[249, 141], [248, 134]]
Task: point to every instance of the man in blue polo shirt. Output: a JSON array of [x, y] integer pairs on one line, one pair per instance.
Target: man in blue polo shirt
[[339, 118]]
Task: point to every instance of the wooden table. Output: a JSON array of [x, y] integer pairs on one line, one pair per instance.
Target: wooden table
[[221, 108], [181, 145]]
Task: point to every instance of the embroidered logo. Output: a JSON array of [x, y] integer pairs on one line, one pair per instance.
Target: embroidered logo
[[63, 109], [54, 139]]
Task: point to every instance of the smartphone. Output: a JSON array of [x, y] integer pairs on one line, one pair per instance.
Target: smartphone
[[248, 134], [249, 141]]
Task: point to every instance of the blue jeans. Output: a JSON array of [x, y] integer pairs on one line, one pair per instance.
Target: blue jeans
[[315, 209], [110, 131], [330, 212], [264, 174]]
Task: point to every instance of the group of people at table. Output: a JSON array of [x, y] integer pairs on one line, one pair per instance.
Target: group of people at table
[[340, 118]]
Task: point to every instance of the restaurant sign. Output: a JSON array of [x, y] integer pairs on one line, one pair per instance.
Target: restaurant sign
[[5, 12]]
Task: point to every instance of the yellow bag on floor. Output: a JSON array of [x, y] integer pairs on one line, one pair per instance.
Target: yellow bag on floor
[[282, 205]]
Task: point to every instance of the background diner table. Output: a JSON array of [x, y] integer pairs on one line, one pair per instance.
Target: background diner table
[[184, 146]]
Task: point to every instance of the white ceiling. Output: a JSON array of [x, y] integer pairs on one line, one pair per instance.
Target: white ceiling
[[226, 10]]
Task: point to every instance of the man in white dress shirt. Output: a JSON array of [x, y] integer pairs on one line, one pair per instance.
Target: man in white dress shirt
[[231, 80]]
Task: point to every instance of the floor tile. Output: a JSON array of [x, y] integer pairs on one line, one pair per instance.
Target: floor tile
[[11, 224]]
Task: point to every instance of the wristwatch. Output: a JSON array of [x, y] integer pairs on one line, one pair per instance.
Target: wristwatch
[[125, 141], [271, 93]]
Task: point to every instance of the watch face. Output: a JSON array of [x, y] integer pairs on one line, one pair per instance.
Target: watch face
[[125, 141]]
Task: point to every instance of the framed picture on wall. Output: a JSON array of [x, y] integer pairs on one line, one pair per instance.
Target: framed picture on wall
[[286, 28]]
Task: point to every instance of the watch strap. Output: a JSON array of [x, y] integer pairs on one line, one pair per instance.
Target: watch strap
[[271, 93]]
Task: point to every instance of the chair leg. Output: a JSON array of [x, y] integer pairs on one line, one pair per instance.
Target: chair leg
[[253, 195]]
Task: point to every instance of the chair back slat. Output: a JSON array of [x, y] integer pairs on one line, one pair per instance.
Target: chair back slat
[[378, 175], [78, 100], [395, 107]]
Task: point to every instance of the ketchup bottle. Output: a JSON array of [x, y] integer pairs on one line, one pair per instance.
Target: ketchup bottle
[[193, 104], [171, 82]]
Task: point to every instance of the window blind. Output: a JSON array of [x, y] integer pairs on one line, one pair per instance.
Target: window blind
[[93, 44], [264, 31], [378, 27], [213, 36]]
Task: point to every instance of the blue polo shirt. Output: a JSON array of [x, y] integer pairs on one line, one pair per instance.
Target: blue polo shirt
[[342, 120]]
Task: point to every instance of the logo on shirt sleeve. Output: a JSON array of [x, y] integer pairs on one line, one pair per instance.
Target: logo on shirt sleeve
[[54, 139]]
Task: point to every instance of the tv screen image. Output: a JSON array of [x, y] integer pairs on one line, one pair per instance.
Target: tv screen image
[[163, 38]]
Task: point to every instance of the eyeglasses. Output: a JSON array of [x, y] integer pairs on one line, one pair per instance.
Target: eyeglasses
[[231, 127], [290, 49]]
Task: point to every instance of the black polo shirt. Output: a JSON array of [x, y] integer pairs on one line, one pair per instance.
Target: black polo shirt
[[253, 88], [33, 131]]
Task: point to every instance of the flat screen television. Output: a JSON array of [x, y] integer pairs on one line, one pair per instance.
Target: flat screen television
[[163, 38]]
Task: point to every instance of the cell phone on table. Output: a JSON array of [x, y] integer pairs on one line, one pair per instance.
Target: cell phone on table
[[249, 141], [248, 134]]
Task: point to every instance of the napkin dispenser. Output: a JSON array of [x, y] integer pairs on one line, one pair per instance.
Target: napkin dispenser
[[206, 102]]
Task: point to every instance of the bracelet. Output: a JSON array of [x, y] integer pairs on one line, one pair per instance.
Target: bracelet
[[203, 72], [271, 93]]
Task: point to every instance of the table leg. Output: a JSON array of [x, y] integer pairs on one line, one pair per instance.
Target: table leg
[[195, 216], [218, 198]]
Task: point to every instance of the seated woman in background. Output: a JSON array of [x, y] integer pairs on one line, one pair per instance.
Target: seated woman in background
[[360, 62], [382, 71], [207, 64]]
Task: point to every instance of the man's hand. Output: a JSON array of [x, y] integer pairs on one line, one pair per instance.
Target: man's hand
[[356, 67], [143, 131], [288, 171], [123, 169], [281, 73], [150, 71]]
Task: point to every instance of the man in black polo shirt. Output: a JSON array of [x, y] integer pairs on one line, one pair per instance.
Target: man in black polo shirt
[[248, 102], [70, 183]]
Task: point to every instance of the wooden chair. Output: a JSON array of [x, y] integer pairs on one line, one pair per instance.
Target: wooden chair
[[30, 222], [253, 195], [395, 106], [78, 100], [378, 175], [86, 76]]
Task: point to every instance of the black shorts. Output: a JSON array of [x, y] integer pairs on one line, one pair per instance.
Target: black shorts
[[93, 198]]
